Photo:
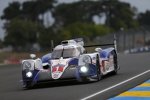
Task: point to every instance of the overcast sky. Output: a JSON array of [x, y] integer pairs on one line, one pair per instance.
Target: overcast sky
[[141, 5]]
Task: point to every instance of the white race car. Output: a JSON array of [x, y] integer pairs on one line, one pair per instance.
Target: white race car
[[69, 61]]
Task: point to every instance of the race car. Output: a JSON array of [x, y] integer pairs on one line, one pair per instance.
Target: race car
[[69, 60]]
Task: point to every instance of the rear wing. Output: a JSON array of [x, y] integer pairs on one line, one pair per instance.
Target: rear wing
[[80, 42], [77, 41], [109, 44], [97, 45]]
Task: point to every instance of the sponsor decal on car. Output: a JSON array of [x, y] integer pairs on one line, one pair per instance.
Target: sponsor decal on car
[[57, 71]]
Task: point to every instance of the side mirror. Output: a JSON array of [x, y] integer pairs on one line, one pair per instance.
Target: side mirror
[[32, 56], [98, 49]]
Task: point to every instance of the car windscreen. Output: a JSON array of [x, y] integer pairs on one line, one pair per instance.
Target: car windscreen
[[65, 53], [56, 54]]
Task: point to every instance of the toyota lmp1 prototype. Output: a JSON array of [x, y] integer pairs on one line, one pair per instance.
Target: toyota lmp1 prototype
[[69, 61]]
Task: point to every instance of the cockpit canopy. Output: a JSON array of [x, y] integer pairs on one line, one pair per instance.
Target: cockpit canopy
[[66, 52]]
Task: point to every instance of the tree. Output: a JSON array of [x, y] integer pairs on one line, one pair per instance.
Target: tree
[[20, 33], [87, 31], [23, 22], [12, 11], [32, 9], [119, 14], [144, 18], [45, 37], [71, 20], [81, 11]]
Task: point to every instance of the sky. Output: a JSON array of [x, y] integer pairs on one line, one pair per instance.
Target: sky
[[141, 5]]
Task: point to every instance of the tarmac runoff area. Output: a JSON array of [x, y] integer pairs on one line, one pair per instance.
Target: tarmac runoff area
[[141, 92]]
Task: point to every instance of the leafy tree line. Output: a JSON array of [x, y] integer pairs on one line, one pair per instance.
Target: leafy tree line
[[25, 21]]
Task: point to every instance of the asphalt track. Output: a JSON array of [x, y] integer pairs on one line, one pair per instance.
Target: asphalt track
[[131, 65]]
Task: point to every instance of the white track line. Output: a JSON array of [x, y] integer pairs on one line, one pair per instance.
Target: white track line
[[99, 92]]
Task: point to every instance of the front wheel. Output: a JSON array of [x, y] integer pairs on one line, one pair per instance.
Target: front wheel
[[28, 85], [85, 79], [99, 74]]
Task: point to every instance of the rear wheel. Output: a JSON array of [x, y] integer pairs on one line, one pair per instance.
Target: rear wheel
[[115, 63]]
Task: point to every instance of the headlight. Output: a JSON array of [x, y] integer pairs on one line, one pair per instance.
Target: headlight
[[29, 74], [86, 59], [84, 69], [38, 64], [28, 65]]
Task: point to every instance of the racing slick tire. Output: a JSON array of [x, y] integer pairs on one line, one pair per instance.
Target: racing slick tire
[[115, 63], [99, 74], [85, 79], [28, 85]]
